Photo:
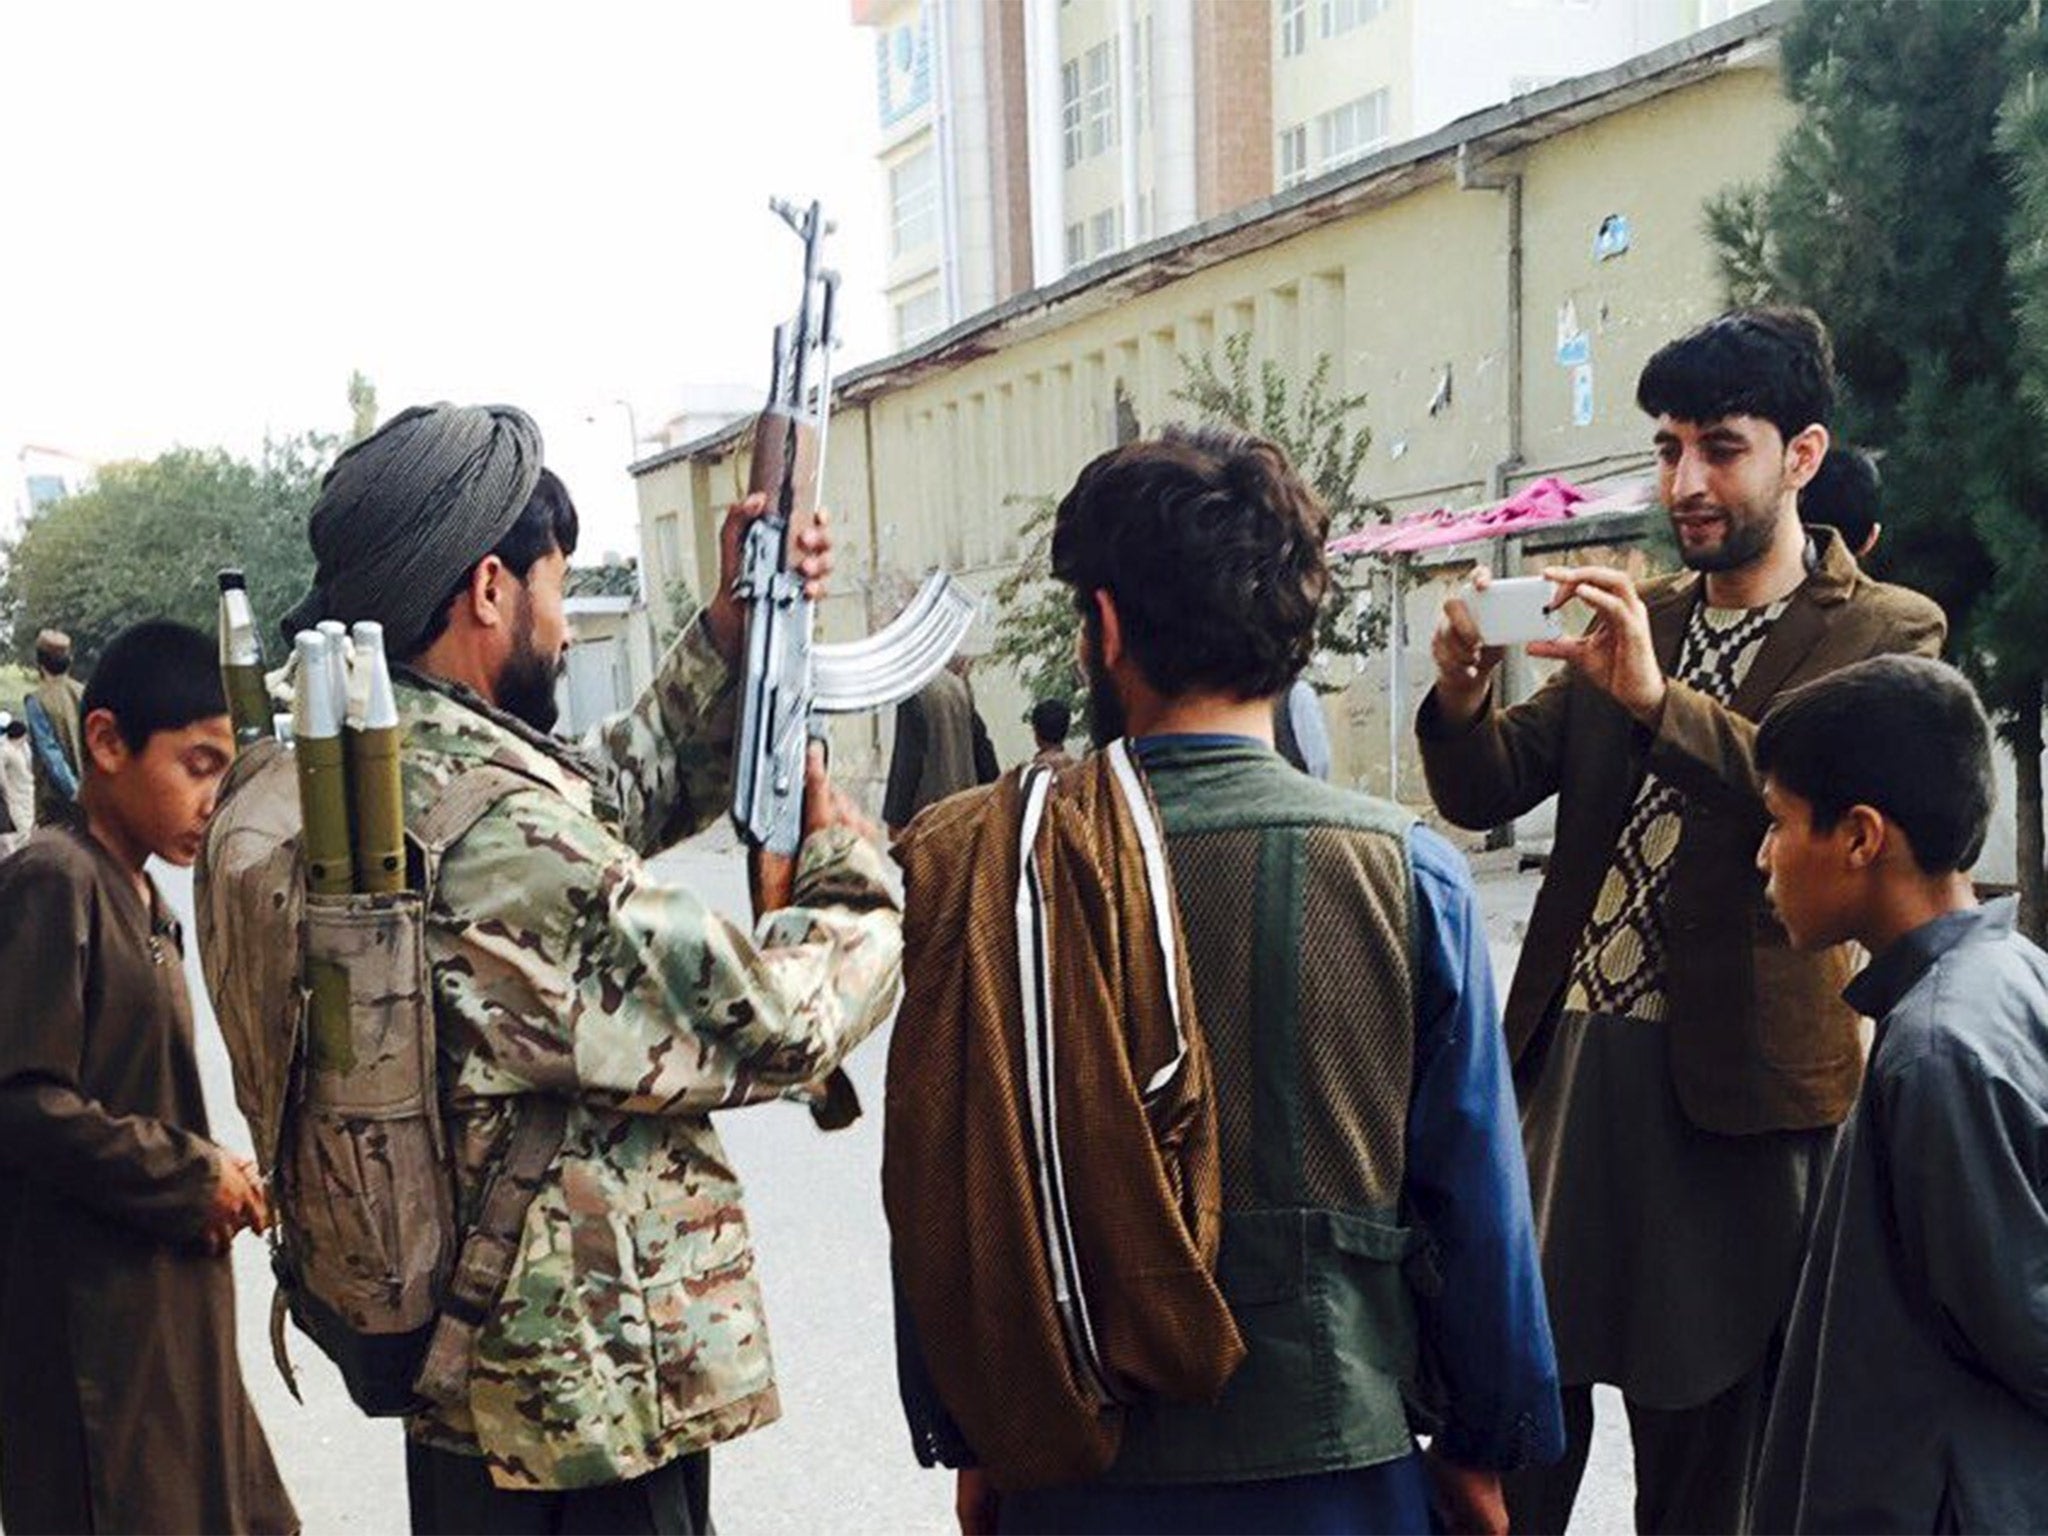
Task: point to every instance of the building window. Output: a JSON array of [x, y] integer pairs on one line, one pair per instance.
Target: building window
[[917, 317], [1340, 16], [45, 491], [1098, 98], [913, 204], [1141, 77], [903, 70], [1354, 129], [1106, 232], [1077, 245], [1293, 156], [1293, 28], [668, 548], [1070, 113]]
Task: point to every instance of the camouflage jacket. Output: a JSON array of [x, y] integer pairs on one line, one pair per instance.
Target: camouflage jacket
[[631, 1330]]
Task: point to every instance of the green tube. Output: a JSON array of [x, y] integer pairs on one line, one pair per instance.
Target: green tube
[[376, 789], [248, 703], [380, 810], [323, 801], [323, 771]]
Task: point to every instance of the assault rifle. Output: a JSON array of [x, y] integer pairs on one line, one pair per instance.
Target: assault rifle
[[790, 677]]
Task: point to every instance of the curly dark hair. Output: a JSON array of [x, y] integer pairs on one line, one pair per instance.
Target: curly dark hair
[[1211, 547]]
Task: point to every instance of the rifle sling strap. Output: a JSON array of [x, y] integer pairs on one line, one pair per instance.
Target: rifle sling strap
[[489, 1249]]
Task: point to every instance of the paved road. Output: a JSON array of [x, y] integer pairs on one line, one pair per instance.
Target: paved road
[[839, 1460]]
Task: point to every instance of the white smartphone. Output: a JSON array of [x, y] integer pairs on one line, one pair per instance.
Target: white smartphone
[[1515, 611]]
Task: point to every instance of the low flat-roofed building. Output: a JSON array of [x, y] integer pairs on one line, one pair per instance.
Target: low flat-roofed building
[[1492, 288]]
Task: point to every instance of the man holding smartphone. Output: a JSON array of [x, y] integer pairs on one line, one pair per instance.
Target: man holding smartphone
[[1681, 1068]]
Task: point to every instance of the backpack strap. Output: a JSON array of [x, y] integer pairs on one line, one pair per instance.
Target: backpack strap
[[489, 1249], [448, 818]]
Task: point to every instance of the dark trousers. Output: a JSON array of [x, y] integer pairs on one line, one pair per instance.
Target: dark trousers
[[1694, 1466], [451, 1495]]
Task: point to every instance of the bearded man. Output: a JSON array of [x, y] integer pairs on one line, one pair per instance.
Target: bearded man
[[629, 1337], [1681, 1067]]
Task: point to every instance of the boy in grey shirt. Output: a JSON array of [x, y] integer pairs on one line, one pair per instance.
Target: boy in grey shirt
[[1913, 1393]]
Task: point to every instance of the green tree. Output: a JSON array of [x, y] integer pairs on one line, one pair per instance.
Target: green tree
[[149, 537], [1909, 207], [1037, 624]]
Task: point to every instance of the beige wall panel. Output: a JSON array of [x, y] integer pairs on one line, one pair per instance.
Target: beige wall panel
[[1657, 165]]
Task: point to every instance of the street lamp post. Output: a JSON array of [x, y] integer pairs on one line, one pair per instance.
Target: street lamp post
[[632, 428]]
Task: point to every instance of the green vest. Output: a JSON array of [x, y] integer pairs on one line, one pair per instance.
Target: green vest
[[1296, 902]]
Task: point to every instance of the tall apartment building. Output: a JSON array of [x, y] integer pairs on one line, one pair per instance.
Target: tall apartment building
[[36, 477], [1025, 138]]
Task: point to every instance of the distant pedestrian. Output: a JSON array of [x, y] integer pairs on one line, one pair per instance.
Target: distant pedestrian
[[1052, 720], [1299, 733], [52, 711], [17, 784], [1846, 494], [121, 1399], [1913, 1390], [942, 746]]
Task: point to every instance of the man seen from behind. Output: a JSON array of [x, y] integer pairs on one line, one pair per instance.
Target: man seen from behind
[[51, 709], [1341, 981]]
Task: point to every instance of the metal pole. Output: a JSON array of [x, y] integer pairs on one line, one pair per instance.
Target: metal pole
[[1397, 669]]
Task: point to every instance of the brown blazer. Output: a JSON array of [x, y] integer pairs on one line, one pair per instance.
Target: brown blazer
[[1760, 1037]]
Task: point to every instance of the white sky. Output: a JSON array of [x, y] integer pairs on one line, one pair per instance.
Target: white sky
[[211, 213]]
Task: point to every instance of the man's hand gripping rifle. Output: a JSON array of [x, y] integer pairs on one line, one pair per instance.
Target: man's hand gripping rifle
[[790, 678]]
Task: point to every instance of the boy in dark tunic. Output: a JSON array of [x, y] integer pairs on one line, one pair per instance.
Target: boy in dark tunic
[[121, 1398], [1913, 1393]]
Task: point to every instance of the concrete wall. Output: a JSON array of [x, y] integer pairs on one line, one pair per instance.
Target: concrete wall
[[922, 474]]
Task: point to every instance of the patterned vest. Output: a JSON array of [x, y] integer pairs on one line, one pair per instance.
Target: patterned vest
[[1619, 967], [1296, 902]]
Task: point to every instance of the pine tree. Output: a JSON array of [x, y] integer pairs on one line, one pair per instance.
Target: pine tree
[[1903, 208]]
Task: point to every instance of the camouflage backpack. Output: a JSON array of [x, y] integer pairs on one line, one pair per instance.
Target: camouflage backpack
[[346, 1120]]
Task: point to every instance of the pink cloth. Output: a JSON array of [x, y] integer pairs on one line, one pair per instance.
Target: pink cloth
[[1548, 500]]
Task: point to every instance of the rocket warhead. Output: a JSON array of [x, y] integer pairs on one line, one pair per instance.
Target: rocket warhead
[[373, 705], [316, 706], [241, 662]]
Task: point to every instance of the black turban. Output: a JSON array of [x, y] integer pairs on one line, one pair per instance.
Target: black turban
[[408, 510]]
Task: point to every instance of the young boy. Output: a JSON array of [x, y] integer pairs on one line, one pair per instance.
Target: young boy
[[1913, 1393], [121, 1399]]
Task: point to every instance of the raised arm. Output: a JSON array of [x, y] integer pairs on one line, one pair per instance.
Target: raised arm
[[577, 974], [1485, 765], [665, 765]]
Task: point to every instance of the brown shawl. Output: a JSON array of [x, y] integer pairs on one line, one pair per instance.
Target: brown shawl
[[1049, 1167]]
